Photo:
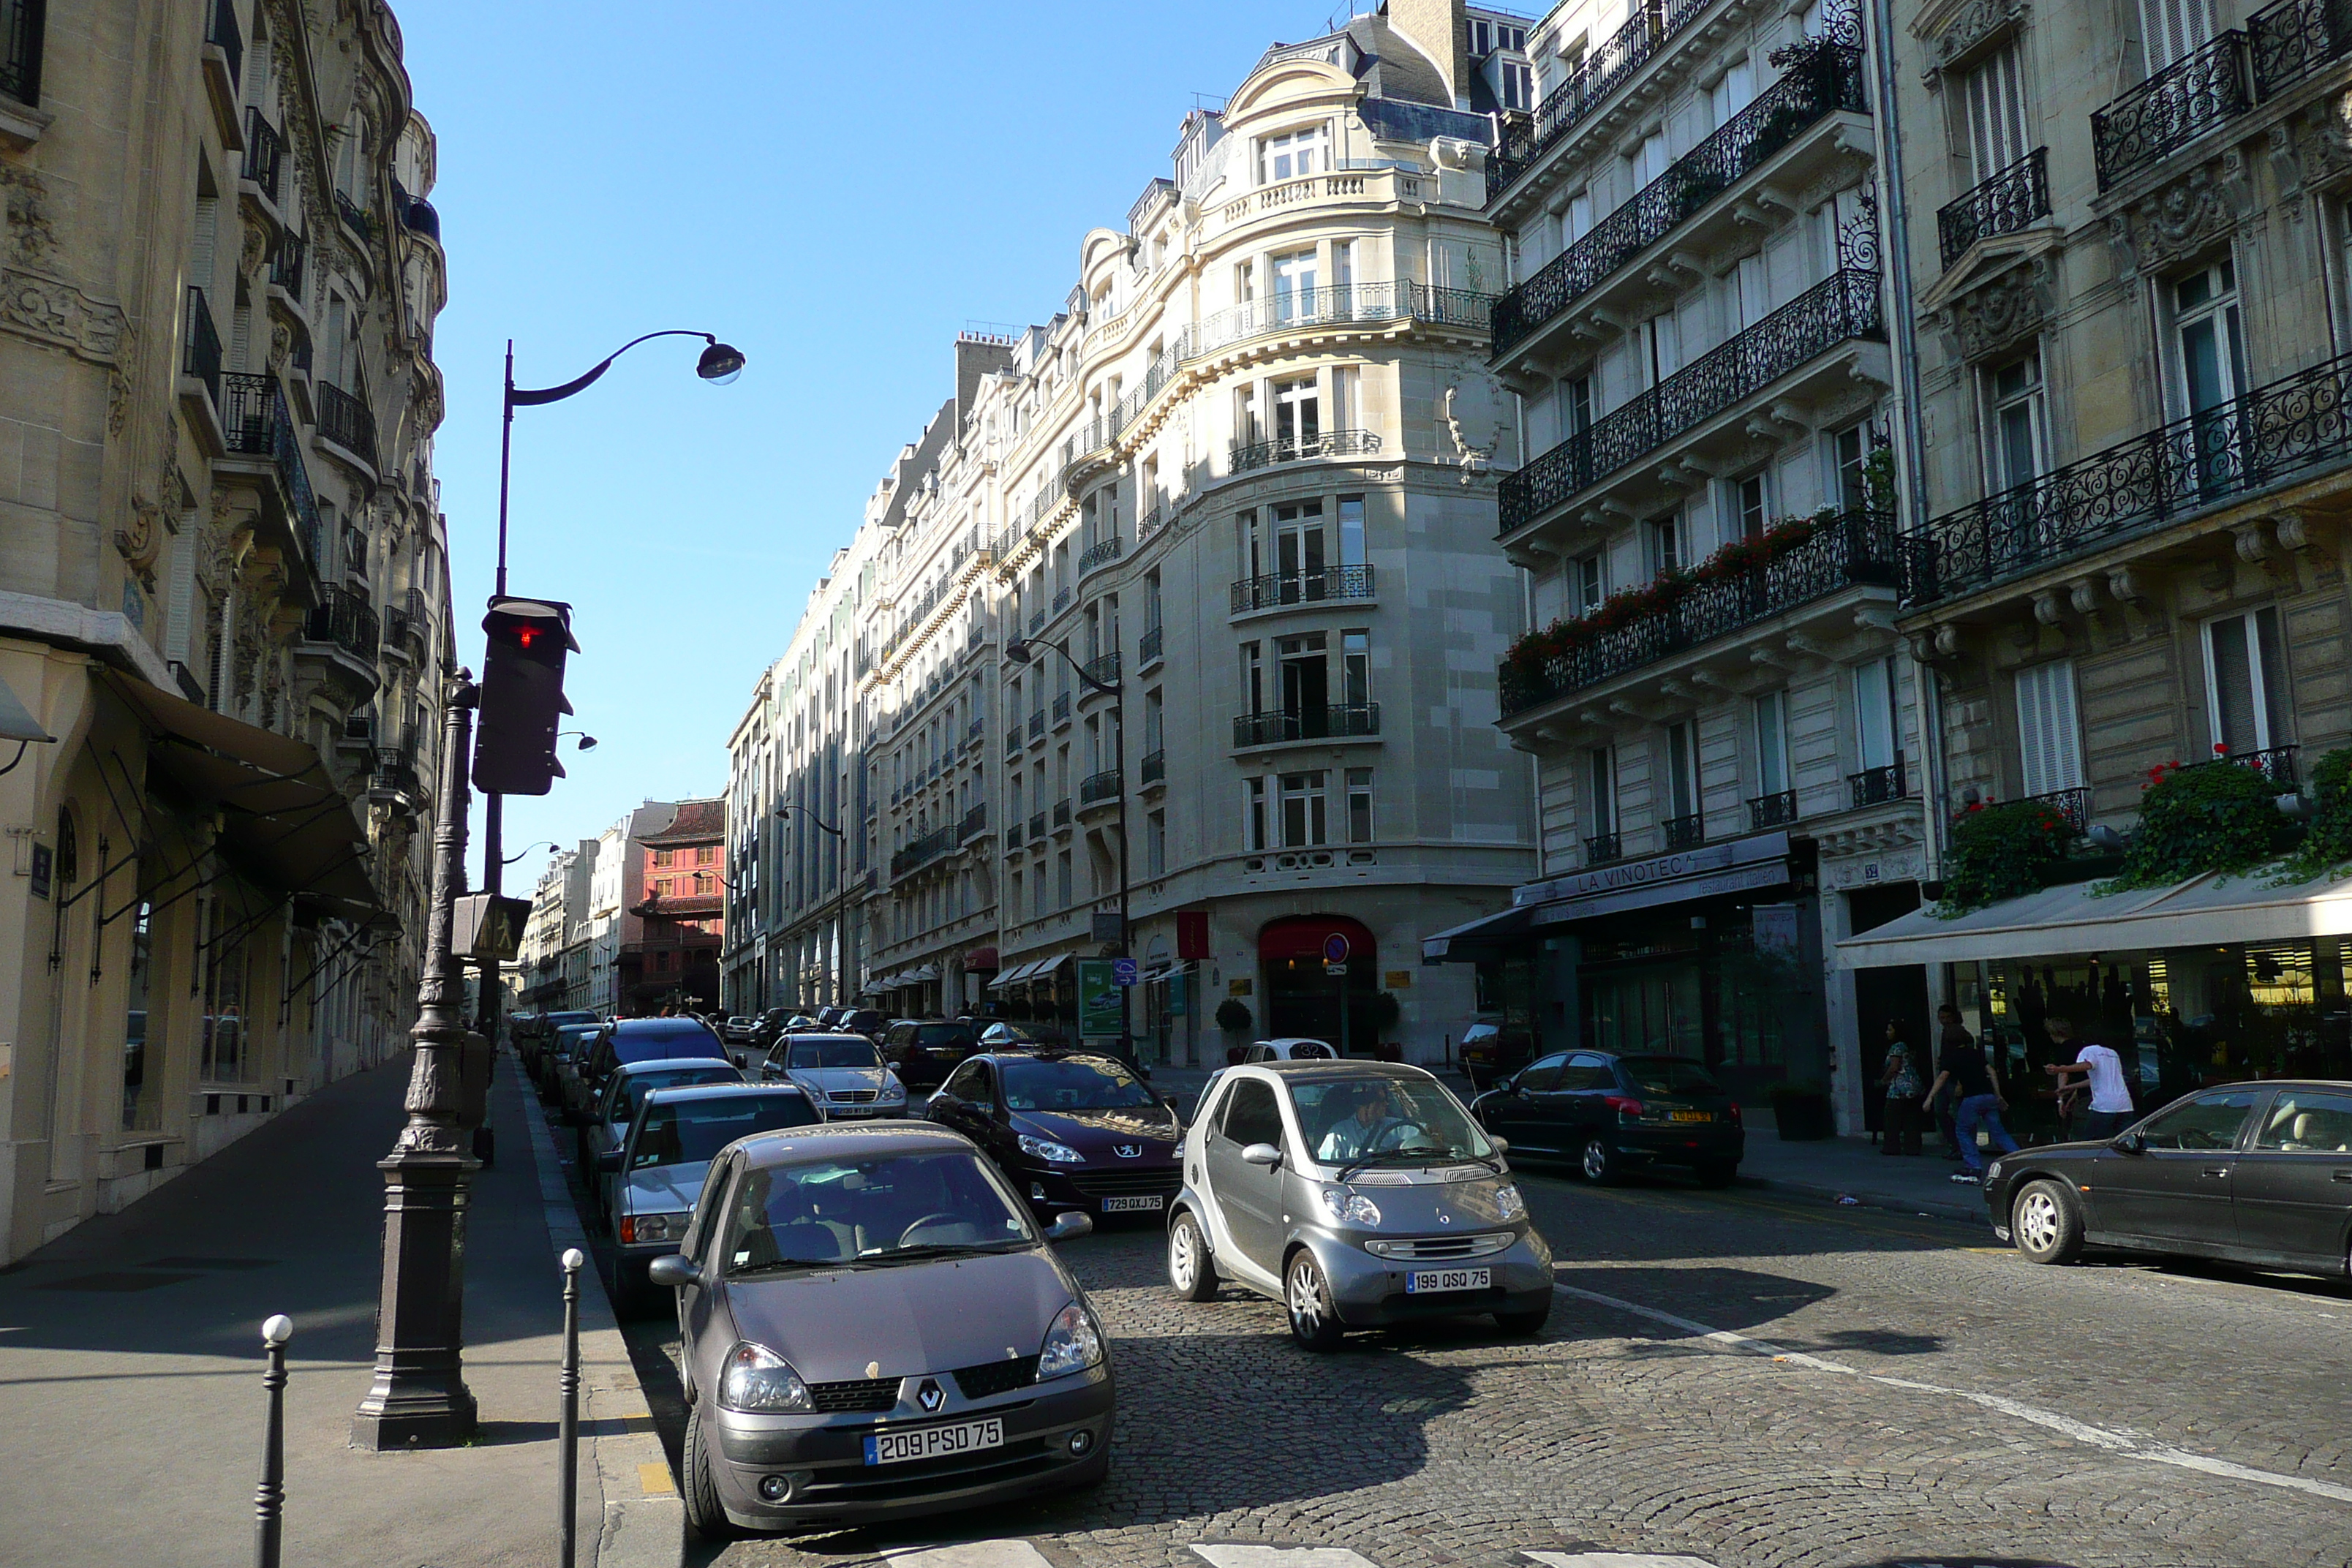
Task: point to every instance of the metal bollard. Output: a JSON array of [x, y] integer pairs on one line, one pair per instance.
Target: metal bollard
[[568, 1462], [270, 1497]]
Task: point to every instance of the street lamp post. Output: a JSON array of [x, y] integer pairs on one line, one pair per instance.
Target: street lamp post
[[840, 892], [1020, 650]]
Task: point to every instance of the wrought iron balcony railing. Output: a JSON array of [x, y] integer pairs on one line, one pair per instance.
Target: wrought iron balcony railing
[[1686, 832], [1153, 769], [1329, 721], [1013, 838], [354, 215], [255, 423], [1603, 847], [1061, 600], [264, 149], [2002, 204], [1856, 549], [2290, 40], [1842, 307], [1036, 827], [1314, 587], [2272, 434], [286, 263], [974, 824], [345, 619], [1246, 456], [200, 346], [2171, 109], [1147, 646], [1101, 553], [1777, 809], [2073, 805], [347, 422], [1061, 814], [1037, 725], [1829, 78], [1604, 70], [2276, 763], [1104, 669], [22, 23], [395, 772], [1061, 708], [1095, 788], [222, 32], [922, 851], [1878, 785]]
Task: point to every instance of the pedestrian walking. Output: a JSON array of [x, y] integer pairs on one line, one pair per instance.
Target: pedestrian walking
[[1964, 1065], [2111, 1102], [1940, 1101], [1899, 1084]]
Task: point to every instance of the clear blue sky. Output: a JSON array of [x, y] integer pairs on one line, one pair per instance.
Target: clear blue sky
[[837, 190]]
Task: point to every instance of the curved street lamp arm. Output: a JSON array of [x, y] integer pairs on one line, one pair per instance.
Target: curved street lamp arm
[[528, 397], [813, 819], [1107, 687]]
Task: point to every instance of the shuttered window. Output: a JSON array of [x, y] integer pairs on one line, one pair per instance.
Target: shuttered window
[[1994, 106], [2171, 28], [2049, 740], [2245, 682]]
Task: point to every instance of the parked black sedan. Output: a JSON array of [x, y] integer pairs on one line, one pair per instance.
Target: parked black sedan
[[2250, 1172], [1609, 1113], [1071, 1130], [923, 1052]]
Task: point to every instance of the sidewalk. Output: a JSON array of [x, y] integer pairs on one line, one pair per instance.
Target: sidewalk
[[1853, 1167], [130, 1398]]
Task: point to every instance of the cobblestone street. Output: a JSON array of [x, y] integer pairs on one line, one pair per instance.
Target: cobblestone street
[[1733, 1380]]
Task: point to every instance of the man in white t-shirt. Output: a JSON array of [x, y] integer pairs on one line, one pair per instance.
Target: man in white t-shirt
[[2111, 1102]]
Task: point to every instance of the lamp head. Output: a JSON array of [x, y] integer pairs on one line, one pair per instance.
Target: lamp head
[[1018, 650], [587, 742], [720, 364]]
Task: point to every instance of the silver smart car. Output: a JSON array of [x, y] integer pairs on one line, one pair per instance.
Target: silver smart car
[[1358, 1194], [874, 1327]]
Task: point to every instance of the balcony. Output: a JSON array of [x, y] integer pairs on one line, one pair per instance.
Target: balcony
[[1853, 549], [1147, 647], [1246, 457], [285, 264], [1013, 838], [2276, 765], [255, 423], [1061, 709], [1101, 553], [408, 628], [1153, 769], [2072, 805], [1061, 600], [1686, 832], [21, 26], [2002, 204], [2290, 40], [1842, 307], [347, 422], [264, 149], [2274, 434], [1328, 584], [1037, 725], [2171, 109], [1879, 785], [1036, 622], [1098, 789], [1829, 78], [347, 621], [1777, 809], [1103, 671], [1605, 68], [1603, 848], [922, 851], [222, 32], [1334, 720], [1037, 830], [393, 777], [974, 824], [355, 217], [1061, 815], [200, 347]]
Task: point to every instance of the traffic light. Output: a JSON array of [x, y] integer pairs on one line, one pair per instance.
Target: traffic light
[[522, 701]]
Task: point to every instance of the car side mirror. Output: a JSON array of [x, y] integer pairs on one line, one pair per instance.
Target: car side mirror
[[673, 1270], [2132, 1143], [1070, 1226], [1501, 1145], [1265, 1155], [608, 1164]]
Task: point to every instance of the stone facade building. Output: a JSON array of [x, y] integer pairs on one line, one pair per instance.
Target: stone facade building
[[223, 590]]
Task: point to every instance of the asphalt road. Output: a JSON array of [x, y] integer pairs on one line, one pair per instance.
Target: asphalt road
[[1728, 1379]]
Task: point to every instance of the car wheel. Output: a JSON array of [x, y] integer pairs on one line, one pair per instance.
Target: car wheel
[[2047, 1224], [1313, 1323], [1189, 1270], [1718, 1172], [1524, 1325], [1600, 1162], [701, 1491]]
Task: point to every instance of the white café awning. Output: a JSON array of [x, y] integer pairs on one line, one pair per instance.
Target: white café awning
[[2212, 910], [920, 973]]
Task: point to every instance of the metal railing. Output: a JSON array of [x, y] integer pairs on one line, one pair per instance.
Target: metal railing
[[2073, 805], [1301, 588], [347, 422], [1037, 725], [1095, 788], [1329, 721], [22, 24], [1153, 768], [1777, 809], [221, 31], [1036, 826], [396, 770], [1829, 78], [1684, 832], [2271, 433], [1297, 448], [1604, 70], [264, 149], [1101, 553], [354, 215], [2290, 40], [345, 619], [1104, 669], [1603, 847], [2002, 204], [1061, 814], [2171, 109], [2276, 763], [1013, 838], [1878, 785], [1855, 549], [1147, 646], [200, 346], [1061, 600], [1842, 307], [255, 423], [923, 850], [286, 263], [974, 824], [1061, 708]]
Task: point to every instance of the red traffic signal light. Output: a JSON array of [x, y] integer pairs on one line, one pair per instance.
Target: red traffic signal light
[[522, 702]]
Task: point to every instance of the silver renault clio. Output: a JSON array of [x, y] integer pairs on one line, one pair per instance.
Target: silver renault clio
[[1358, 1194]]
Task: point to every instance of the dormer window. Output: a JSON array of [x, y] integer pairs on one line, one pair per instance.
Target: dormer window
[[1293, 155]]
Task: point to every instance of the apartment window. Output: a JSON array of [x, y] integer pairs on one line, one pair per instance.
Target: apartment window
[[1517, 83], [1661, 340], [2019, 425], [1750, 506], [1992, 107], [1733, 91], [1577, 404], [1248, 427], [1352, 531], [1294, 286], [1666, 542], [1154, 722], [706, 855], [1601, 791], [1298, 411], [1299, 549], [2212, 339], [1682, 769], [664, 857], [1253, 677], [1772, 742], [2172, 28], [1481, 38], [1062, 879], [1302, 810], [1245, 282], [1155, 843], [1037, 893], [1356, 667], [1253, 813], [1359, 805], [1248, 561], [1850, 467], [1876, 737], [2245, 682], [2049, 740], [1012, 813], [1306, 676], [1348, 397], [1589, 584], [1576, 219], [1292, 156]]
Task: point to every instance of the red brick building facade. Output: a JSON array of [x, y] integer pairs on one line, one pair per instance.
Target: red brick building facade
[[682, 917]]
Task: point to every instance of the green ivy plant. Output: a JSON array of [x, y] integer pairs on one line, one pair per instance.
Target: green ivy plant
[[2327, 845], [2216, 816], [2004, 852]]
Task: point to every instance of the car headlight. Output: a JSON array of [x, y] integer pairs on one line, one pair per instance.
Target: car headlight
[[892, 1089], [1993, 1171], [1072, 1344], [638, 1228], [1052, 1153], [760, 1381], [1508, 1201], [1349, 1208]]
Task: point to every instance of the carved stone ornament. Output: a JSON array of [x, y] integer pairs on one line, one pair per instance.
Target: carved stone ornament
[[2008, 308], [1968, 30], [29, 238], [141, 540], [2180, 221], [57, 312]]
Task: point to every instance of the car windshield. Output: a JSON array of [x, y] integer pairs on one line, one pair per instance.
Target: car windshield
[[881, 1209], [1384, 1121], [1667, 1075], [653, 1045], [635, 1089], [687, 1132], [1072, 1083], [833, 1054], [943, 1035]]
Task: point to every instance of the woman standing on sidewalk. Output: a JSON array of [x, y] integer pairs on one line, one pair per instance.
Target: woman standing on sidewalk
[[1900, 1087]]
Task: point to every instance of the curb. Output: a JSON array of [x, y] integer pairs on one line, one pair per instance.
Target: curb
[[1940, 1207], [641, 1528]]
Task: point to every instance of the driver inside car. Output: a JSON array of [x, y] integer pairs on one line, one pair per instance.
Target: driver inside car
[[1370, 1131]]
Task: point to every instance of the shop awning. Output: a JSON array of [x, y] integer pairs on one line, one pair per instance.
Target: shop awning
[[1456, 943], [2212, 910], [1022, 973], [920, 973]]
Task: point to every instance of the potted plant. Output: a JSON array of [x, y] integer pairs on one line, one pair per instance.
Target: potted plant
[[1233, 1018], [1801, 1111], [1386, 1011]]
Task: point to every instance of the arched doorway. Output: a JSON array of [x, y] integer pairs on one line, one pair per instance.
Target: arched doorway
[[1300, 998]]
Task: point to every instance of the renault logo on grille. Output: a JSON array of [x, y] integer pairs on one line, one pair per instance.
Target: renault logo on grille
[[929, 1395], [1127, 1150]]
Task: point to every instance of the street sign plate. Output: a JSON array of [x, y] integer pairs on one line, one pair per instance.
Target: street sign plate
[[1335, 970], [1124, 971], [1335, 948]]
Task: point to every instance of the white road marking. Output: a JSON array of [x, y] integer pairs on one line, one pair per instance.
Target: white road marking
[[1613, 1560], [1011, 1553], [2122, 1443], [1282, 1557]]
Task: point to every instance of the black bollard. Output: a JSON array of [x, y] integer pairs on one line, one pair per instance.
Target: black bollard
[[568, 1462], [270, 1497]]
